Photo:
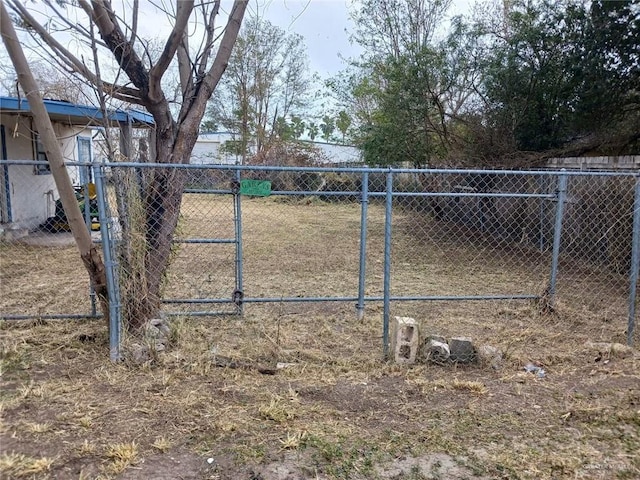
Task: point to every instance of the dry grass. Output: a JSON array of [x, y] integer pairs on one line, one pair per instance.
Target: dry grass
[[21, 466], [336, 410]]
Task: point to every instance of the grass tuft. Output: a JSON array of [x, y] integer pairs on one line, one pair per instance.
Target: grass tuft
[[121, 456], [15, 465]]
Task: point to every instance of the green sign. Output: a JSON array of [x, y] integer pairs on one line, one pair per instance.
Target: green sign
[[256, 188]]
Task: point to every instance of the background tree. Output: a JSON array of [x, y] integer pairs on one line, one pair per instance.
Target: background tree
[[343, 122], [114, 37], [403, 91], [266, 86], [549, 81], [52, 83], [327, 127], [391, 28], [312, 130], [510, 85]]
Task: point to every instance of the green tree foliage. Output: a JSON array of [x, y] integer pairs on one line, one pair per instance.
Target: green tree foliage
[[409, 124], [312, 130], [556, 75], [401, 93], [519, 76], [327, 127], [343, 122]]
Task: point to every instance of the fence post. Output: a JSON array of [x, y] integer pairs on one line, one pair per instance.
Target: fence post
[[238, 294], [561, 196], [364, 201], [112, 284], [635, 264], [387, 264]]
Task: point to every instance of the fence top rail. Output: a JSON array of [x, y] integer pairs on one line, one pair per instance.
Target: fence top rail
[[320, 169]]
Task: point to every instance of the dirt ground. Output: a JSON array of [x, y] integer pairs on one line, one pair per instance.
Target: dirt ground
[[334, 409]]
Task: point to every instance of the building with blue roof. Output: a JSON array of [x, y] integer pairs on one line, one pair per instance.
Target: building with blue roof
[[27, 191]]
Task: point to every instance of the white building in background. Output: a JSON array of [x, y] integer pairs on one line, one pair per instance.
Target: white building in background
[[339, 155], [208, 150]]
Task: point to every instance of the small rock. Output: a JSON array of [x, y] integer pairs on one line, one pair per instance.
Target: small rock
[[462, 350], [161, 325], [490, 356], [281, 365], [139, 353], [617, 350], [152, 332]]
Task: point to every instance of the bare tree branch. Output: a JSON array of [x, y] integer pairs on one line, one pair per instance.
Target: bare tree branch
[[61, 52], [134, 23], [173, 42], [76, 27], [65, 58], [184, 62], [208, 84], [209, 39], [107, 23]]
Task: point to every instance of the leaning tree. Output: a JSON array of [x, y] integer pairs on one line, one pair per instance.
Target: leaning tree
[[201, 51]]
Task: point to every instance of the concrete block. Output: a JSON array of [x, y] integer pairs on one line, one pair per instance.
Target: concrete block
[[462, 350], [404, 340], [436, 351]]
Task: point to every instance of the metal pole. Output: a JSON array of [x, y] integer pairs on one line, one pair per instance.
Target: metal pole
[[541, 188], [387, 265], [561, 196], [364, 200], [112, 287], [239, 292], [635, 264]]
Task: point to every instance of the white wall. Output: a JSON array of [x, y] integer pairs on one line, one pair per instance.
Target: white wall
[[207, 151], [627, 162], [33, 196]]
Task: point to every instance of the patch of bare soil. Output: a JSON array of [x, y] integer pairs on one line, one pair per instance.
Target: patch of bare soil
[[335, 411]]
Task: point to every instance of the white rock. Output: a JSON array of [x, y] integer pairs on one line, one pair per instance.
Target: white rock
[[490, 356], [436, 351]]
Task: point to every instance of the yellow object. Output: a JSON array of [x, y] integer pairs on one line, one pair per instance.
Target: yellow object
[[91, 188]]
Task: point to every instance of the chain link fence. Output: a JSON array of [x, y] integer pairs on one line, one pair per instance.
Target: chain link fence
[[375, 238], [41, 273]]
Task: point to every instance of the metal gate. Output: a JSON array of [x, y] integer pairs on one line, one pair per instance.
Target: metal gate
[[210, 229]]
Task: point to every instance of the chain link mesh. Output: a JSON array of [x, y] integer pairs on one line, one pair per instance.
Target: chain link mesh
[[470, 234], [41, 273], [595, 259]]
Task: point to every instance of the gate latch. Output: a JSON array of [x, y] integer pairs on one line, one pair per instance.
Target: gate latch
[[237, 297]]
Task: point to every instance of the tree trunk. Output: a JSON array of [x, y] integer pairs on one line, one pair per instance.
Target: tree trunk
[[160, 202], [88, 252], [154, 209]]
